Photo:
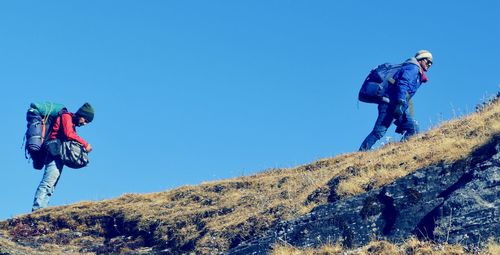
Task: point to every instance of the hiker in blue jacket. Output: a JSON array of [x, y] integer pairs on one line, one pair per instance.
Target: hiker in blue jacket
[[407, 81]]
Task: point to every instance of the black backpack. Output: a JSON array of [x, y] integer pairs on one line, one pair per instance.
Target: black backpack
[[377, 82], [39, 117]]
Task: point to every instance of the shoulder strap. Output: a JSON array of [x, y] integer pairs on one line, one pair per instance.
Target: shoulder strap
[[61, 125], [390, 77]]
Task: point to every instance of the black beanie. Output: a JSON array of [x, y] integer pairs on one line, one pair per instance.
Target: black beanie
[[86, 111]]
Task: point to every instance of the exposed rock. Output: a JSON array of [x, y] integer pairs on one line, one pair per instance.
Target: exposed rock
[[454, 203]]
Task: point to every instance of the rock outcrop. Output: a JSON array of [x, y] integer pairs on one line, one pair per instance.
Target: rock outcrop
[[453, 203]]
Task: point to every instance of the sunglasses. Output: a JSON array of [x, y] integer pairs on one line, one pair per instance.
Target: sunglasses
[[429, 63], [83, 123]]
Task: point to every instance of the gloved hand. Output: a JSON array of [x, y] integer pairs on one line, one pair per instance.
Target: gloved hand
[[399, 110]]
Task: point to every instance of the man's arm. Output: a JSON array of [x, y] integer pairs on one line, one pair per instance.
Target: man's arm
[[404, 80], [69, 130]]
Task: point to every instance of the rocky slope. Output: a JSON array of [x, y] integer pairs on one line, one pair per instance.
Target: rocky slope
[[447, 203]]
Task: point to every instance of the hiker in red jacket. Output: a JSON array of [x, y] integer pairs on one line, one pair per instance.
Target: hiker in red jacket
[[63, 129]]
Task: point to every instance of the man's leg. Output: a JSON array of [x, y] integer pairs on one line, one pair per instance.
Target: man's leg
[[383, 122], [47, 185], [410, 127]]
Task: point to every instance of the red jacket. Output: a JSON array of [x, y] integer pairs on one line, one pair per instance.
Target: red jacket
[[68, 128]]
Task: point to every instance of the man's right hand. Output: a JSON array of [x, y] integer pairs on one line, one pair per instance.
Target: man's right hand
[[88, 148], [385, 100]]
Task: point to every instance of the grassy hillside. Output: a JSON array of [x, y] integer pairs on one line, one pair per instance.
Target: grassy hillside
[[215, 216]]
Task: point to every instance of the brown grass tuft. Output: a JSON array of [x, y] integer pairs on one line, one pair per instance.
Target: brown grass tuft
[[411, 247]]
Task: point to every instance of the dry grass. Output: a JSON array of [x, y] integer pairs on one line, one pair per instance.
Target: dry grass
[[493, 248], [215, 216], [449, 142], [410, 247], [13, 248], [284, 249]]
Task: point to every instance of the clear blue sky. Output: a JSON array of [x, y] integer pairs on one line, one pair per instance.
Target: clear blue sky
[[194, 91]]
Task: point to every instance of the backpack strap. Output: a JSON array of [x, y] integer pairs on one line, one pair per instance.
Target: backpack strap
[[46, 117], [390, 79], [61, 126]]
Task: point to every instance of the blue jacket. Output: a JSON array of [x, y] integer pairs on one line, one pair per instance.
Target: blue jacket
[[408, 80]]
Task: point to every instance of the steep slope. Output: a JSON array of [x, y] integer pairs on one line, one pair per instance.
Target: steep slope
[[446, 203], [217, 216]]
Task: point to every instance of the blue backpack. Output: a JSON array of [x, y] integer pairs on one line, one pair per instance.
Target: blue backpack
[[377, 82], [40, 117]]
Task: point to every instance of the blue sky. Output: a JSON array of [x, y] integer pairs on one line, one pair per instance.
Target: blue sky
[[193, 91]]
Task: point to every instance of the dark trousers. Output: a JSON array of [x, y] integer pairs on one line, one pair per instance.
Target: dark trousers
[[406, 125]]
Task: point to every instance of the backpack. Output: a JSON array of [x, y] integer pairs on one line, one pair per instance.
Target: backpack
[[73, 155], [40, 117], [377, 82]]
